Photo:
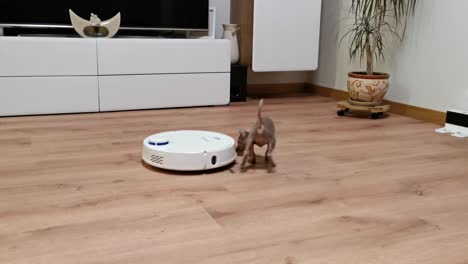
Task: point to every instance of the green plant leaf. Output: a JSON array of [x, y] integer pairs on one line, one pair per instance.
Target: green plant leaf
[[374, 21]]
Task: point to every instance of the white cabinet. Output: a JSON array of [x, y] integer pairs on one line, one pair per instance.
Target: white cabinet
[[163, 73], [71, 75]]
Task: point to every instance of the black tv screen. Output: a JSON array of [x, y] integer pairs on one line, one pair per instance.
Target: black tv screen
[[152, 14]]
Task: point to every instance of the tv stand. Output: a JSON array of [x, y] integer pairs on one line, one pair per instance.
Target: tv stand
[[71, 75]]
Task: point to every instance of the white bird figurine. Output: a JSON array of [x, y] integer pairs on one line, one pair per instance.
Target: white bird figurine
[[95, 28]]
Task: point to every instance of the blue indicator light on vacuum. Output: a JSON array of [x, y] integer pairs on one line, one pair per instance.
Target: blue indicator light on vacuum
[[159, 142]]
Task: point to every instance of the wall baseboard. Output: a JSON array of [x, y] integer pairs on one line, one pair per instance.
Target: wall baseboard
[[281, 89], [274, 90], [414, 112]]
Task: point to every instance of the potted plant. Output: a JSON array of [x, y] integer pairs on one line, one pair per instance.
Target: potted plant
[[373, 22]]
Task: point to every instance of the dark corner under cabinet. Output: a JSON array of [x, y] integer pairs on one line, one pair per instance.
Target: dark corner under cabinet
[[238, 83]]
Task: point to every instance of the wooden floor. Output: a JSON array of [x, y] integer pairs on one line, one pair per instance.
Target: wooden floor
[[73, 189]]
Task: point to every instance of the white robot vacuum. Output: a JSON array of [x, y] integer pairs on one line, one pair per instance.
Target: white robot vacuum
[[189, 150]]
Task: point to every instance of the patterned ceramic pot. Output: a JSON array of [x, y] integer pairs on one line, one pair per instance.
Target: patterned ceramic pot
[[368, 88]]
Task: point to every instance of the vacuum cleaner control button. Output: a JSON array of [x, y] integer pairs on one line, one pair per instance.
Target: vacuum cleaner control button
[[162, 141], [159, 142], [214, 160]]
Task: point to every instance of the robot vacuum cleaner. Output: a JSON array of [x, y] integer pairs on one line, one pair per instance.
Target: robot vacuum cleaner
[[189, 150]]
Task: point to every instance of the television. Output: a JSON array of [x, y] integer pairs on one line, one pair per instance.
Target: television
[[188, 15]]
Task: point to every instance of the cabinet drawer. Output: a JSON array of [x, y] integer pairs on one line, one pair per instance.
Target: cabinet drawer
[[48, 95], [163, 91], [24, 56], [161, 56]]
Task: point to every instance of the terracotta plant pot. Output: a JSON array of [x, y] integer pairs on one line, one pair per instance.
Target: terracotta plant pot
[[367, 90]]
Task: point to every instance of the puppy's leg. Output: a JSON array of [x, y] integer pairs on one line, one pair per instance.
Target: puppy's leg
[[267, 158], [269, 154], [249, 147], [244, 160], [253, 157]]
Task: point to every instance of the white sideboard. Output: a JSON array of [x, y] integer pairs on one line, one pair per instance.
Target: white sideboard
[[72, 75]]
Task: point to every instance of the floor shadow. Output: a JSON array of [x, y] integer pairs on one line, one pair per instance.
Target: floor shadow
[[261, 164], [188, 173], [364, 115]]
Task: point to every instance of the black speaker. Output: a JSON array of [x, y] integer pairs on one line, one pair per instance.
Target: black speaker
[[238, 83]]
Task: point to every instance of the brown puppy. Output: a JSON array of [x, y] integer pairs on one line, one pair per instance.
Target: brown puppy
[[263, 133]]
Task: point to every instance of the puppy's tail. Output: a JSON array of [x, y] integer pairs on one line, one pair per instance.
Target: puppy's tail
[[260, 109]]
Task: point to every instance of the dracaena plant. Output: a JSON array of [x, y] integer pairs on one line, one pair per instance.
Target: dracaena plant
[[374, 20]]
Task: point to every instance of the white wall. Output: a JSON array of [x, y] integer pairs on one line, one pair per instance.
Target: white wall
[[223, 14], [427, 70]]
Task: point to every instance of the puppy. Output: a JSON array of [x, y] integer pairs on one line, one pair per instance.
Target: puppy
[[261, 134]]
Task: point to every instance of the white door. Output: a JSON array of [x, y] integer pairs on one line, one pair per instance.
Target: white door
[[286, 35]]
